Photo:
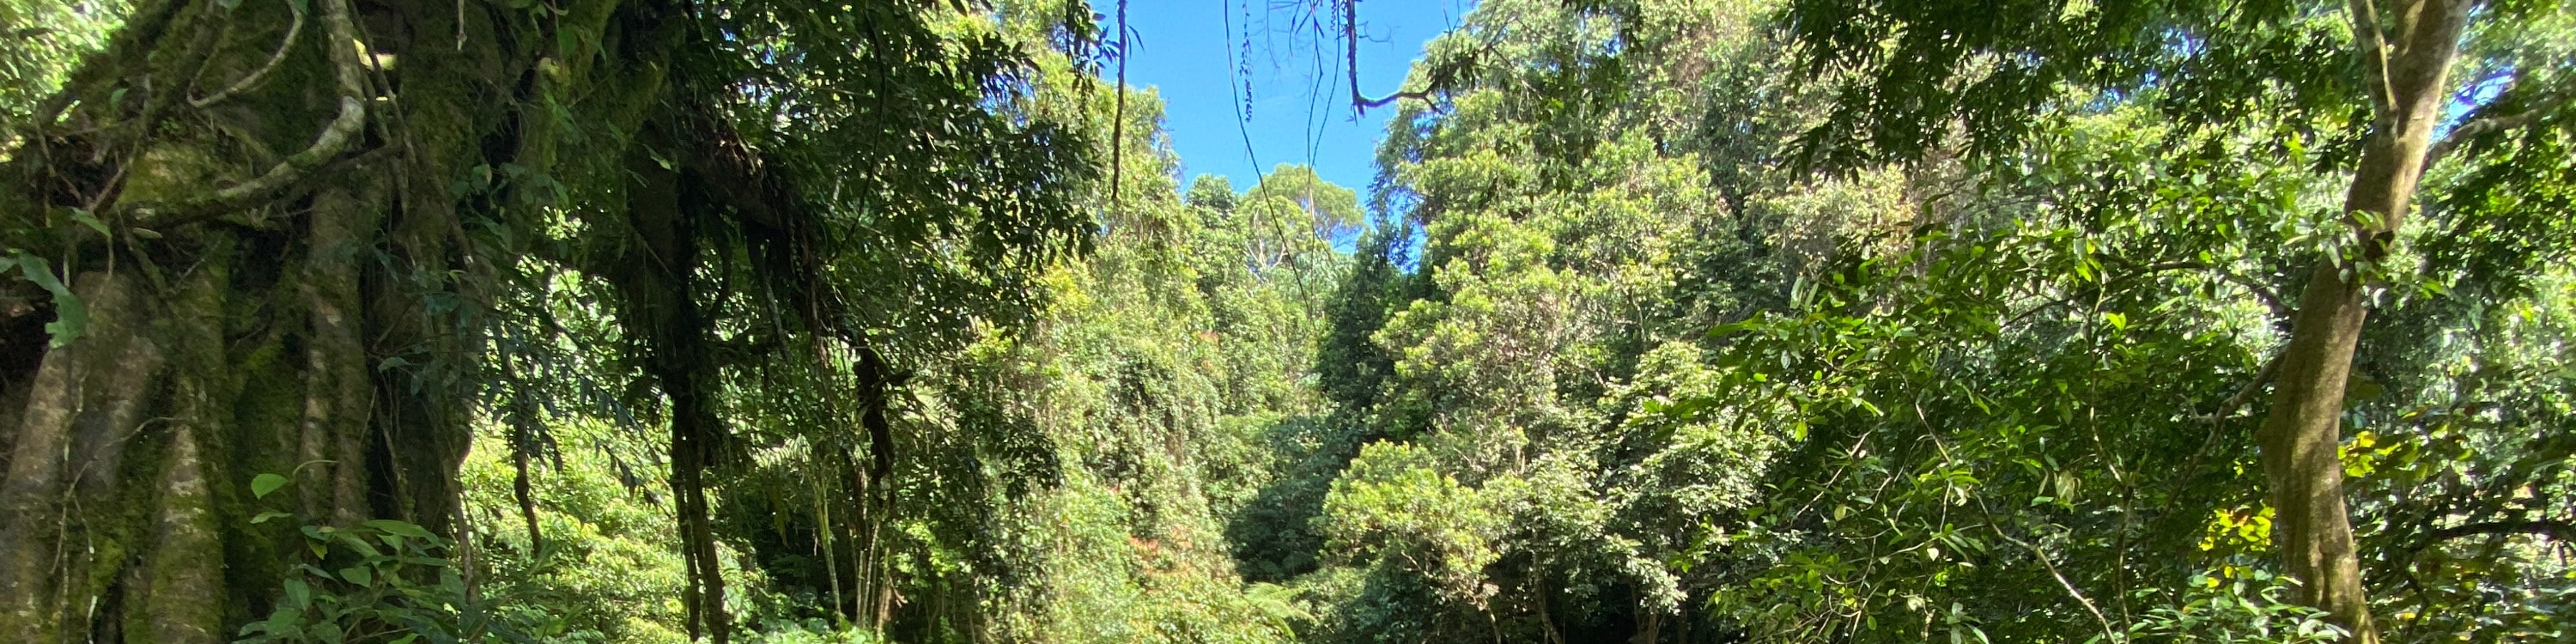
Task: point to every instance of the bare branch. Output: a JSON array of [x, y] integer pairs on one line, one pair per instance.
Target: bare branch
[[1351, 61], [2236, 400], [1439, 74], [2489, 124], [2555, 530], [284, 45], [2372, 46], [1118, 122]]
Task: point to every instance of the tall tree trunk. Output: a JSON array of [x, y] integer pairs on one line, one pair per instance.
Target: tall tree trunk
[[655, 274], [2301, 432], [267, 253]]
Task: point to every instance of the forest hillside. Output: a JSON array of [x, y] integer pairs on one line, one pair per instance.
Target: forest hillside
[[1662, 321]]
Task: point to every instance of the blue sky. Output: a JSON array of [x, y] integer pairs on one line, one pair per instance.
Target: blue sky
[[1300, 99]]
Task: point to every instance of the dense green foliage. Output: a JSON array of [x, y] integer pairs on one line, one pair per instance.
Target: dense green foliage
[[1866, 330], [1665, 321]]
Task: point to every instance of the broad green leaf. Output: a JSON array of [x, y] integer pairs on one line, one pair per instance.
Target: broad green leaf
[[264, 484], [71, 318]]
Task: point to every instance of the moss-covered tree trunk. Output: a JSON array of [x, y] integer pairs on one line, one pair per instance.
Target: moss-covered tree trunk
[[255, 209]]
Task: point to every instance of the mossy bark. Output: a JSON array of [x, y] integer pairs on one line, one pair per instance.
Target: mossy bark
[[127, 487], [321, 330]]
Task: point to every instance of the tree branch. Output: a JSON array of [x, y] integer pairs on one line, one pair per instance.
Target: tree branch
[[2555, 530], [284, 45], [1351, 61], [2488, 124], [333, 140], [2372, 45], [1118, 122], [2270, 368], [1439, 75], [2270, 299], [2109, 634]]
